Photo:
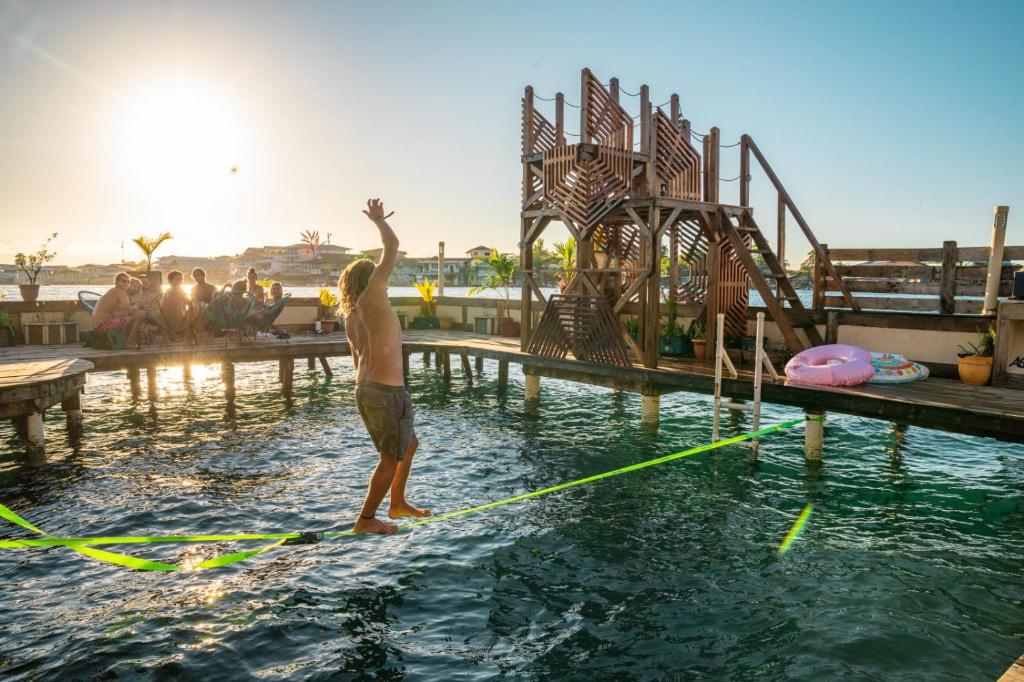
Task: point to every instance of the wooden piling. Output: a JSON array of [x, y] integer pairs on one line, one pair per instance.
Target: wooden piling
[[426, 358], [34, 432], [814, 434], [72, 406], [135, 380], [466, 368], [650, 409], [405, 364], [311, 363], [186, 372], [531, 387], [286, 370], [479, 364], [326, 367], [444, 358], [502, 375], [227, 375], [151, 387]]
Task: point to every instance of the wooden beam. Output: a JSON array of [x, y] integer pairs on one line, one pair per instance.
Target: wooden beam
[[947, 278], [466, 370]]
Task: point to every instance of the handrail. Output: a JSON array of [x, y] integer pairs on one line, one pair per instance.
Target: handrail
[[822, 254]]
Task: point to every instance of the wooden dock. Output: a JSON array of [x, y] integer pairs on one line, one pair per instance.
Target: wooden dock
[[935, 403]]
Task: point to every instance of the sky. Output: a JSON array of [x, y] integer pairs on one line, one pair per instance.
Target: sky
[[234, 124]]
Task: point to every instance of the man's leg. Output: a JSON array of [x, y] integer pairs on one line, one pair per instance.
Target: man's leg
[[381, 480], [399, 505]]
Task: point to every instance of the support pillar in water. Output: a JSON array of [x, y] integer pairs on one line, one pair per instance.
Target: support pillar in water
[[502, 375], [531, 389], [405, 363], [134, 379], [445, 360], [426, 358], [151, 382], [34, 432], [650, 409], [479, 364], [466, 369], [814, 434], [311, 363], [287, 370], [72, 406], [227, 375]]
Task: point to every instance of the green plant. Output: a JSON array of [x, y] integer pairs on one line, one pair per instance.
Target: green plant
[[985, 347], [633, 326], [5, 318], [698, 329], [428, 306], [311, 238], [327, 309], [504, 268], [32, 263], [149, 245], [669, 326], [566, 254]]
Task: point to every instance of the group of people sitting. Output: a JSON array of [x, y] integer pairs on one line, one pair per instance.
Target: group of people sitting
[[180, 315]]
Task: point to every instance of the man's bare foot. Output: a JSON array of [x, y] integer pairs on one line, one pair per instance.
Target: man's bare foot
[[364, 525], [397, 511]]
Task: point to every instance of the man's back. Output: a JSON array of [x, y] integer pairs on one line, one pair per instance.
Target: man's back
[[376, 337], [109, 304]]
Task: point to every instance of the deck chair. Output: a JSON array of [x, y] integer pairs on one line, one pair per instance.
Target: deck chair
[[263, 320], [111, 340], [223, 318]]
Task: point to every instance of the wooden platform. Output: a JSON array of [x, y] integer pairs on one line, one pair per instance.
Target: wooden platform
[[934, 403]]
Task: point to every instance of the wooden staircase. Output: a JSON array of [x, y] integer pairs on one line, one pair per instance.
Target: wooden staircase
[[747, 240]]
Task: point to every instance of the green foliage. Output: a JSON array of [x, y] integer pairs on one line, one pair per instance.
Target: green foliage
[[504, 268], [311, 238], [427, 289], [807, 266], [5, 318], [149, 245], [328, 304], [698, 329], [32, 263], [565, 252], [669, 326], [985, 347], [633, 326]]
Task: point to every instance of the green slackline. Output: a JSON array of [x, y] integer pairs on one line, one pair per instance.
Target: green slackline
[[80, 544]]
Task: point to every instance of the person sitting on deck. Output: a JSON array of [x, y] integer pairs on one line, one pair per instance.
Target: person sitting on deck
[[203, 292], [263, 316], [384, 404], [134, 289], [254, 287], [114, 311], [229, 311], [175, 307]]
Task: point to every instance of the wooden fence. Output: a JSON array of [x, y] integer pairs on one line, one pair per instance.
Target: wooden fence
[[917, 280]]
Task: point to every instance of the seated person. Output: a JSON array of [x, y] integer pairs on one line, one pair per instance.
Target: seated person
[[263, 316], [228, 312], [134, 289], [276, 294], [254, 287], [114, 311], [203, 291], [175, 308]]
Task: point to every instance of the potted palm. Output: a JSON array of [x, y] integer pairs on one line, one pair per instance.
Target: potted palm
[[633, 327], [327, 311], [148, 245], [7, 336], [428, 306], [504, 268], [31, 264], [698, 331], [975, 363], [672, 339]]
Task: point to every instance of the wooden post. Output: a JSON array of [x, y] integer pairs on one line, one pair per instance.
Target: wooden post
[[135, 381], [714, 135], [947, 279], [650, 412], [311, 363], [585, 106], [527, 122], [613, 89], [20, 426], [995, 260], [676, 115], [446, 366], [559, 118], [405, 363], [479, 364], [745, 174], [440, 269], [151, 387], [653, 312], [673, 266], [531, 387], [780, 237], [814, 434], [818, 285], [72, 406], [34, 432], [466, 368], [645, 123], [326, 367], [286, 367], [502, 375], [426, 358], [227, 375], [526, 294], [832, 326], [687, 131]]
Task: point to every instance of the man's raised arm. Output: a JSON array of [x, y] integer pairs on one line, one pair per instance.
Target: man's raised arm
[[375, 212]]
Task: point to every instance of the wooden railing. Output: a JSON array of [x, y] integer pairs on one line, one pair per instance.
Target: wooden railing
[[936, 280]]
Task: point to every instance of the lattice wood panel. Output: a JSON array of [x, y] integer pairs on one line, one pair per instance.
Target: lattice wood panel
[[537, 129], [678, 164], [607, 124], [733, 291], [584, 186], [581, 325], [693, 249]]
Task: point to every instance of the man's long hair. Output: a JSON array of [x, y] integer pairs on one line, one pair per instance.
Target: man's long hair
[[353, 282]]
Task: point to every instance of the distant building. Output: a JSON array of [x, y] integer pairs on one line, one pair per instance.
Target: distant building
[[294, 264], [479, 252]]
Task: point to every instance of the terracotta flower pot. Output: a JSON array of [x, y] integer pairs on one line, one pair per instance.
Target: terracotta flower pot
[[29, 292], [327, 326], [446, 322], [509, 327], [975, 369], [698, 348]]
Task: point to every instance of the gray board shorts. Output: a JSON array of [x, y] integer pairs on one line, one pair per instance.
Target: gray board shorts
[[387, 413]]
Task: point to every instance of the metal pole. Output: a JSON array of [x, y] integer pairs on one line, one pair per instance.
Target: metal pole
[[719, 345], [758, 367], [440, 268], [995, 260]]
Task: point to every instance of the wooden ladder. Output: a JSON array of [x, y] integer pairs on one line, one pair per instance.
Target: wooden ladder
[[788, 319]]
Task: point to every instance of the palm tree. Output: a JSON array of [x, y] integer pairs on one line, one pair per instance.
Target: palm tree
[[504, 268], [148, 246], [566, 253]]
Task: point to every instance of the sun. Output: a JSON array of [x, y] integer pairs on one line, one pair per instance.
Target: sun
[[178, 139]]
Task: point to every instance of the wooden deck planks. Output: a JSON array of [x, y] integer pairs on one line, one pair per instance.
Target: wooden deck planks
[[935, 403]]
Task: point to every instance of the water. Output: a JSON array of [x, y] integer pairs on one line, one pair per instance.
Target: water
[[910, 568]]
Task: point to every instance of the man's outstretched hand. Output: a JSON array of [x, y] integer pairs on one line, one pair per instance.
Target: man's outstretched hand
[[375, 210]]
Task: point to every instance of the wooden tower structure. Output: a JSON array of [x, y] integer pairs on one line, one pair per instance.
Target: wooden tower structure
[[622, 187]]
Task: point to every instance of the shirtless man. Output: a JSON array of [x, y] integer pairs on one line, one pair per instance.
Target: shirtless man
[[384, 404], [174, 307], [114, 311], [203, 291]]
